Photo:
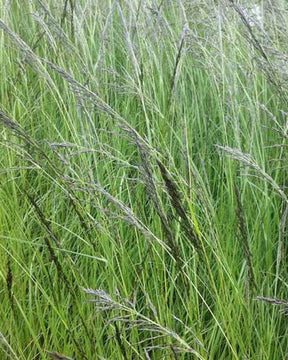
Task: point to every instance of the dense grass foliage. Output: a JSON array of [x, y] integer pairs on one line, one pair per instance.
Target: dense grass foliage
[[143, 151]]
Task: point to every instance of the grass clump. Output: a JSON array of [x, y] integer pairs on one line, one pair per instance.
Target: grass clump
[[143, 149]]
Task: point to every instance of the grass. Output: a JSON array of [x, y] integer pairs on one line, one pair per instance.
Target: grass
[[143, 198]]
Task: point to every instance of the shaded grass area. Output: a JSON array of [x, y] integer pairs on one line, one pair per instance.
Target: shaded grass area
[[143, 149]]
